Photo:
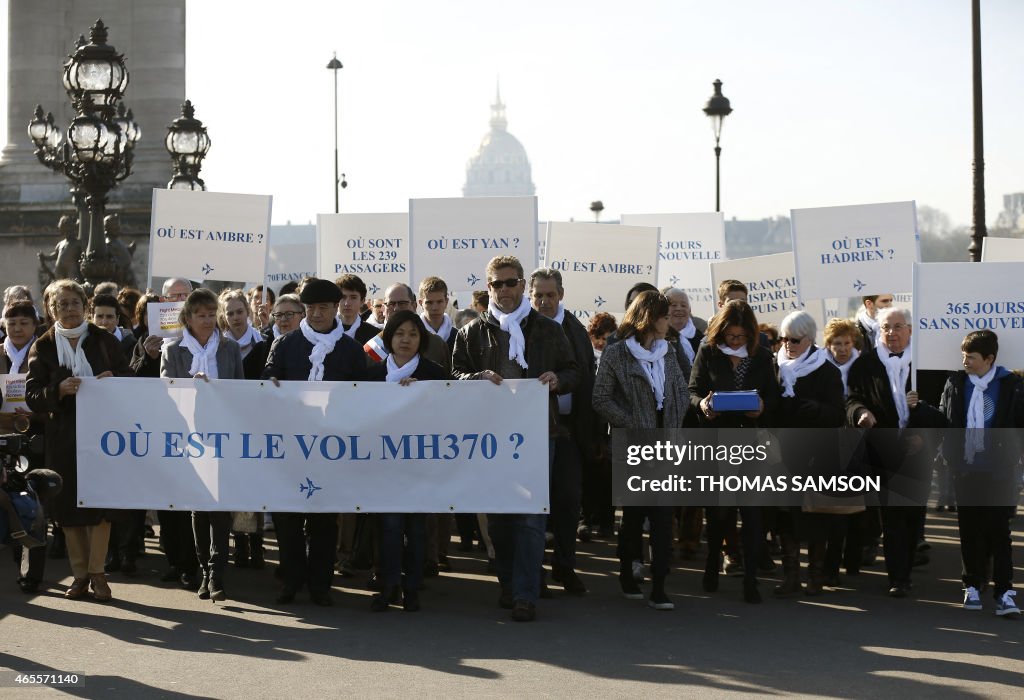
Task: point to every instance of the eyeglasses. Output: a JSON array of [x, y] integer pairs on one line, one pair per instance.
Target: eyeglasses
[[735, 338], [894, 328], [510, 283], [791, 341], [392, 305], [286, 315]]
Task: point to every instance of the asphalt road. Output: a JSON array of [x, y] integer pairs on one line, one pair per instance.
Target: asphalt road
[[154, 640]]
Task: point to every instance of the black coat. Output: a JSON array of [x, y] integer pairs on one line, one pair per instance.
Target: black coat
[[141, 364], [42, 395], [585, 422], [1002, 448], [713, 371], [256, 360], [289, 359], [425, 371], [818, 403]]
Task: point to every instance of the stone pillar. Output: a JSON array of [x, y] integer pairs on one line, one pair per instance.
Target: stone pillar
[[151, 35]]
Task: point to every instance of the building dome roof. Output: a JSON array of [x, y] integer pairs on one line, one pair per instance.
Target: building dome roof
[[500, 166]]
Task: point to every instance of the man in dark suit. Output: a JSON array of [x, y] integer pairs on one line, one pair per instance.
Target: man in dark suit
[[319, 351], [576, 446], [880, 401]]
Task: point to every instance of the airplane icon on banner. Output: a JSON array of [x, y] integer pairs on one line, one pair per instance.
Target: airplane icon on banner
[[309, 487]]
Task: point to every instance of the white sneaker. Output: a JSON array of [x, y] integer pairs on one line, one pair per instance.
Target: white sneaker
[[1006, 606], [972, 600]]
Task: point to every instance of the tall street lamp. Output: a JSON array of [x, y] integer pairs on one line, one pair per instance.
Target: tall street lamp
[[718, 109], [101, 138], [188, 144], [335, 65], [978, 229]]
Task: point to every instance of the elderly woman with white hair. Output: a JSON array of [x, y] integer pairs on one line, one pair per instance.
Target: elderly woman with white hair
[[812, 398]]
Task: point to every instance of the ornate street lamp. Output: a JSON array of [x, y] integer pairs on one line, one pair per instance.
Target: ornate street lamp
[[97, 153], [188, 143], [718, 109]]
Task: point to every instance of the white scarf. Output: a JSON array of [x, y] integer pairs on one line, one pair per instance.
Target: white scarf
[[791, 370], [351, 332], [560, 314], [396, 373], [898, 370], [510, 324], [248, 339], [975, 439], [16, 356], [653, 363], [845, 369], [117, 333], [73, 359], [685, 336], [323, 345], [204, 357], [372, 320], [868, 322], [742, 352], [275, 330], [444, 331]]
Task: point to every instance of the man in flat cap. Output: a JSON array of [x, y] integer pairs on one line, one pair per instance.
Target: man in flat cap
[[320, 351]]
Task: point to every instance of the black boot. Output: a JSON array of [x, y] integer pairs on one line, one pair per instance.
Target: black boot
[[256, 560], [815, 566], [658, 599], [242, 550], [790, 567]]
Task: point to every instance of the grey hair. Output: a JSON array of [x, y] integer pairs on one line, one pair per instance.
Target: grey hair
[[800, 324], [289, 299], [171, 281], [884, 314], [546, 273], [665, 291]]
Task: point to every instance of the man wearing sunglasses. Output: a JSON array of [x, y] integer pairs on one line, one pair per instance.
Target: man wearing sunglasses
[[513, 341]]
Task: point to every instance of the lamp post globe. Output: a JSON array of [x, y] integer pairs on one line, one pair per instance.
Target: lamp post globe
[[188, 143]]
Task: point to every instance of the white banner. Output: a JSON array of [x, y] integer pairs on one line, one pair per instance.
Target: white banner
[[455, 238], [209, 235], [689, 244], [771, 288], [600, 262], [994, 249], [854, 250], [375, 247], [953, 299], [320, 447], [291, 256]]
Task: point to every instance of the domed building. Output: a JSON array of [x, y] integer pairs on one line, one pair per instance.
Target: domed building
[[500, 166]]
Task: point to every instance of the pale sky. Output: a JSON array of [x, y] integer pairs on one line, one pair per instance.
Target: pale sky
[[836, 101]]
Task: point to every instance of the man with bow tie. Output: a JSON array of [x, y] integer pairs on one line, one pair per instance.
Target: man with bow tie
[[881, 401]]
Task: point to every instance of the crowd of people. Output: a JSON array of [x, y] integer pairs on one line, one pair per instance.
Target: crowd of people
[[659, 367]]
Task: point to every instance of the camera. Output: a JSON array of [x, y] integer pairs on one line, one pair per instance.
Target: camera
[[23, 493]]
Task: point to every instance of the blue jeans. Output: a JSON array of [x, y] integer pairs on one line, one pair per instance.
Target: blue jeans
[[394, 556], [519, 548]]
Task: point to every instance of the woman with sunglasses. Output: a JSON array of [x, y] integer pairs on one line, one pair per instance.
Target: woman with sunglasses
[[405, 339], [812, 397], [640, 385], [732, 359]]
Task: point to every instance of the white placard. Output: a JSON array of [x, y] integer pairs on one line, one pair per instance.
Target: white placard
[[854, 250], [771, 288], [600, 262], [14, 392], [291, 256], [322, 446], [375, 247], [689, 244], [953, 299], [209, 235], [995, 249], [455, 238], [162, 318]]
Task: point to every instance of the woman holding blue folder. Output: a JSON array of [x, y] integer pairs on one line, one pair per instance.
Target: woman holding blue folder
[[732, 360]]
